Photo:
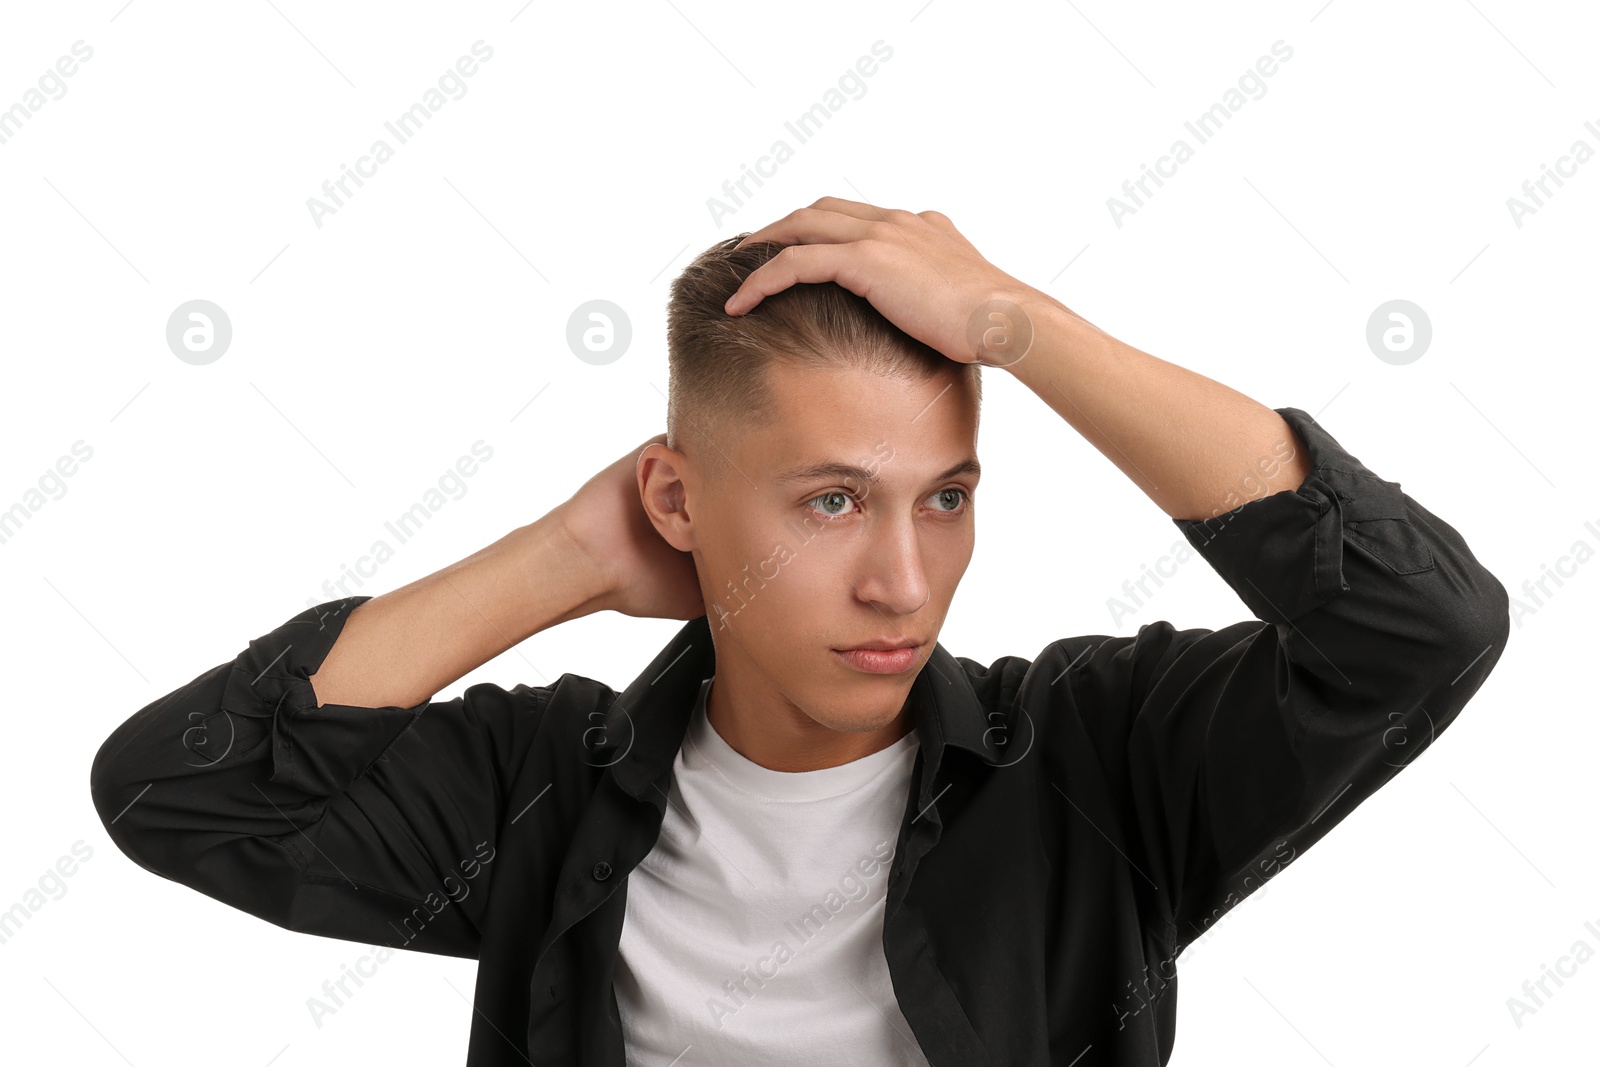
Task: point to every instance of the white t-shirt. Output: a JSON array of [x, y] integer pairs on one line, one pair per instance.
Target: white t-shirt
[[753, 932]]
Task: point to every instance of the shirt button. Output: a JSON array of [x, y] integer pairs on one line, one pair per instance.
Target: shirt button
[[602, 870]]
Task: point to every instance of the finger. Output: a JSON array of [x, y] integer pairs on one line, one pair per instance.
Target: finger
[[940, 221], [797, 263], [854, 208], [810, 225]]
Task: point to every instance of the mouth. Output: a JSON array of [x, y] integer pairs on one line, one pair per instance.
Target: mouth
[[881, 657]]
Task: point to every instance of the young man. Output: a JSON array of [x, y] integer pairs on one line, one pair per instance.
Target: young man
[[807, 833]]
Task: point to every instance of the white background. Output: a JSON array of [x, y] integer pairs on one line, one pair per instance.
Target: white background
[[430, 312]]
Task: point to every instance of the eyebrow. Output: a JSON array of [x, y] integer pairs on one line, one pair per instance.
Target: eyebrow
[[851, 472]]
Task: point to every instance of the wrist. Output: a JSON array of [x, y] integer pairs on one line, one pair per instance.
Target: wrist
[[564, 549], [1057, 334]]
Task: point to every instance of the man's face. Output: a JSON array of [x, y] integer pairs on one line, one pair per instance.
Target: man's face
[[796, 566]]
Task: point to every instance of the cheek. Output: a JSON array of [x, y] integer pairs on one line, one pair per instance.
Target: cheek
[[946, 556], [958, 554], [763, 572], [790, 571]]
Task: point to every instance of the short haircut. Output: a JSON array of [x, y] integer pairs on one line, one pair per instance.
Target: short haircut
[[716, 362]]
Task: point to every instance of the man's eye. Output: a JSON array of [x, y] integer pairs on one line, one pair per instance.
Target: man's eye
[[834, 499], [949, 502]]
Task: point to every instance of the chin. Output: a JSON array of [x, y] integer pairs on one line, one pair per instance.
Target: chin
[[860, 716]]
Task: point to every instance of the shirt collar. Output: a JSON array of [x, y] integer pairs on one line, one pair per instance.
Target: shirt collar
[[645, 725]]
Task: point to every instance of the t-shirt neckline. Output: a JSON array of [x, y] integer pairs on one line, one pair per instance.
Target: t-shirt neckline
[[703, 745]]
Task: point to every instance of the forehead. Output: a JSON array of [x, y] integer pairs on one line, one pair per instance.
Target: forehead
[[855, 416]]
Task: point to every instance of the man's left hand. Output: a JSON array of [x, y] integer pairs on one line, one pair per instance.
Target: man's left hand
[[916, 269]]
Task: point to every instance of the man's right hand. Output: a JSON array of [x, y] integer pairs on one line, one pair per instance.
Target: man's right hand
[[597, 550], [643, 575]]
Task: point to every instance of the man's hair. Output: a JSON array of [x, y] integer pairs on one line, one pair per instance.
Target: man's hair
[[717, 384]]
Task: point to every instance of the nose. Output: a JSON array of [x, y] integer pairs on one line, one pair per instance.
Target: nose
[[892, 576]]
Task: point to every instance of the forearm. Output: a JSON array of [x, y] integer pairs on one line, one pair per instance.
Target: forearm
[[403, 647], [1196, 447]]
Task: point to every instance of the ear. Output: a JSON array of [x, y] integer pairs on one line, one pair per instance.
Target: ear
[[660, 473]]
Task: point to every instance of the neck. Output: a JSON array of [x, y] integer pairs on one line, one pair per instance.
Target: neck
[[767, 728]]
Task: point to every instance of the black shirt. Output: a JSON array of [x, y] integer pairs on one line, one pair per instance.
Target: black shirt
[[1075, 819]]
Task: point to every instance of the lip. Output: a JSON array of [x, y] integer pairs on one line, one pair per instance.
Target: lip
[[883, 644], [874, 660]]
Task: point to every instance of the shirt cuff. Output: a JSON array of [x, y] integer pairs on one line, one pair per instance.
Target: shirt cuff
[[315, 750], [1283, 554]]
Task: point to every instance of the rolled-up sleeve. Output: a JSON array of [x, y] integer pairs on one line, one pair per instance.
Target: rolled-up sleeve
[[334, 820], [1235, 750]]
